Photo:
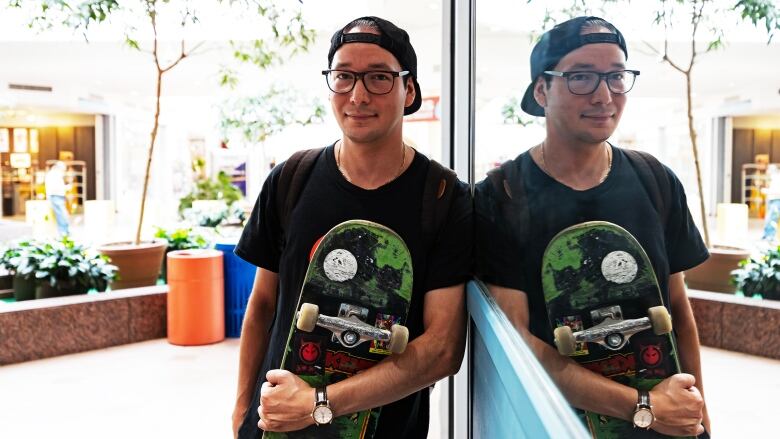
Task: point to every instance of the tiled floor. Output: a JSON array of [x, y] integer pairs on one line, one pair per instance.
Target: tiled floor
[[157, 390]]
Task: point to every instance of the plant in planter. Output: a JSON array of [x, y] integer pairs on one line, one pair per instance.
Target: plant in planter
[[179, 239], [20, 260], [760, 275], [64, 268], [55, 268]]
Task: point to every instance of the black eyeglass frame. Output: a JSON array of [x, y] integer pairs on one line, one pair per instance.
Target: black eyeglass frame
[[602, 77], [361, 76]]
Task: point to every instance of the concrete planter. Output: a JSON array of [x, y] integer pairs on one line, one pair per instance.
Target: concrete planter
[[45, 328], [739, 324]]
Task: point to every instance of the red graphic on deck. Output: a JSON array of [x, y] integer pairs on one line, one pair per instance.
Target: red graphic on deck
[[620, 364], [651, 355], [345, 363], [309, 352]]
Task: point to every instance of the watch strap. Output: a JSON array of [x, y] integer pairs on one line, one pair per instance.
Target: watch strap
[[644, 399], [320, 396]]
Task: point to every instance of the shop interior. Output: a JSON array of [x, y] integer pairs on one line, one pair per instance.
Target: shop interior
[[30, 143]]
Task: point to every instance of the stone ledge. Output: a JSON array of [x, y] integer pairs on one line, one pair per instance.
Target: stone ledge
[[44, 328], [738, 324]]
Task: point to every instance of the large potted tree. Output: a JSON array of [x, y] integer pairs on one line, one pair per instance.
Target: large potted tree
[[139, 260]]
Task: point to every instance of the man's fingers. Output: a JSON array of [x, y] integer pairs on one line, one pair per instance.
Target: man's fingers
[[277, 376], [266, 391], [684, 380]]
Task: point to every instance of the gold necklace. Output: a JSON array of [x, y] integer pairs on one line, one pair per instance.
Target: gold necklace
[[601, 180], [346, 176]]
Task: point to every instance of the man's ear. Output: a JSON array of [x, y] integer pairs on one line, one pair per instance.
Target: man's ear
[[411, 93], [540, 92]]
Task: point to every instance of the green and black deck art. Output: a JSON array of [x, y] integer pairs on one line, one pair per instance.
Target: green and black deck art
[[591, 266], [356, 263]]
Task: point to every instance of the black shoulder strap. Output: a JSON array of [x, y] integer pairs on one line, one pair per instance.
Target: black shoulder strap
[[655, 180], [293, 177], [437, 198], [437, 195], [509, 186]]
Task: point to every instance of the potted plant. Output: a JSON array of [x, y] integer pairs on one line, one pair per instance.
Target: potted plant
[[759, 275], [179, 239], [65, 268], [219, 188], [20, 261]]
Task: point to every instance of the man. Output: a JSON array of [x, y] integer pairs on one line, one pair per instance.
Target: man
[[579, 84], [56, 188], [368, 174]]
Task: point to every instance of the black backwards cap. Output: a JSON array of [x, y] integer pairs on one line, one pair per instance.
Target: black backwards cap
[[393, 39], [555, 44]]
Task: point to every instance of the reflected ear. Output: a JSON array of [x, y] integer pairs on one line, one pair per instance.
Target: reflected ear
[[540, 92], [410, 92]]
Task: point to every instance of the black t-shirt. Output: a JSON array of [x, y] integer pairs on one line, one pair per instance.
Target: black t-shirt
[[504, 260], [327, 200]]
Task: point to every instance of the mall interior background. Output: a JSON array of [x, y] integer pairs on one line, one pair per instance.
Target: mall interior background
[[61, 97], [92, 103]]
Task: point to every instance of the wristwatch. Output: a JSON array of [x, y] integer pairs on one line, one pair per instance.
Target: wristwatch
[[322, 414], [643, 415]]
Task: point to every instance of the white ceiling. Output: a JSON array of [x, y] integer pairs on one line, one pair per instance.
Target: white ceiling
[[87, 75]]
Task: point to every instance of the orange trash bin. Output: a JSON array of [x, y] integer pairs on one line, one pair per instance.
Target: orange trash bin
[[196, 297]]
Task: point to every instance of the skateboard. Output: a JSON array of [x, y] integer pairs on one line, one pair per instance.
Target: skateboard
[[606, 311], [351, 311]]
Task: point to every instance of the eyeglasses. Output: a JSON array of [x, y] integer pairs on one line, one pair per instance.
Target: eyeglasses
[[585, 83], [378, 82]]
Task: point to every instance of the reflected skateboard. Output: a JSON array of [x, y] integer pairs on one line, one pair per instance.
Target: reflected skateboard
[[607, 313]]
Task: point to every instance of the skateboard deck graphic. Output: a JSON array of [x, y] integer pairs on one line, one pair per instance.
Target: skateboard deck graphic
[[359, 285], [606, 310]]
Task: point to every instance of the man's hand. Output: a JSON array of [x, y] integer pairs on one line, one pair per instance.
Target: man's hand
[[286, 402], [677, 405]]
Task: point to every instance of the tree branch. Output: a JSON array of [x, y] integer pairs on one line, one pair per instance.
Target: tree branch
[[665, 56], [652, 48]]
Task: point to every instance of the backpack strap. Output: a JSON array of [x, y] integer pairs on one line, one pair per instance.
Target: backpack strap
[[509, 187], [295, 172], [437, 198], [654, 179], [437, 195]]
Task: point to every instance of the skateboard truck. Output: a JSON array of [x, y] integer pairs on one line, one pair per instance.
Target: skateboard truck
[[612, 331], [349, 329]]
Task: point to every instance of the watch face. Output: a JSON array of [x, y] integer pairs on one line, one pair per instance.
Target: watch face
[[643, 418], [322, 415]]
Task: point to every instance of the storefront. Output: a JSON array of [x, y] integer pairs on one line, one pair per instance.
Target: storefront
[[30, 143]]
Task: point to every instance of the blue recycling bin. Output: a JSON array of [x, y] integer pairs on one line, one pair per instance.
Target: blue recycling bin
[[239, 278]]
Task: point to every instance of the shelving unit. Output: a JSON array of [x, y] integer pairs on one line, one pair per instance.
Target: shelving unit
[[754, 178]]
